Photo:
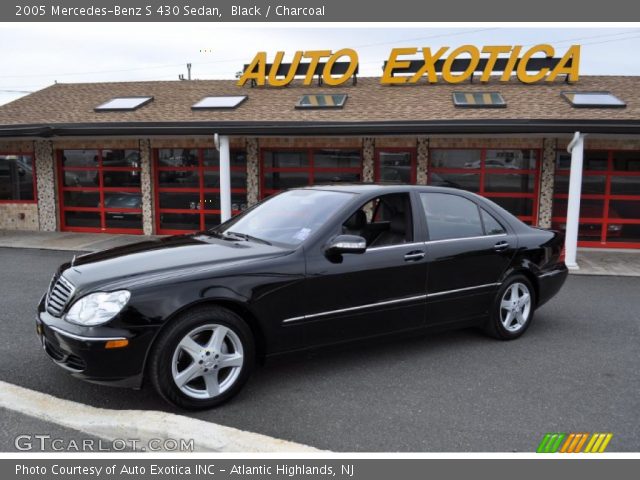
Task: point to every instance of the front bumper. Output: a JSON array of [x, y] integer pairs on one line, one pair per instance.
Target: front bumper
[[81, 351]]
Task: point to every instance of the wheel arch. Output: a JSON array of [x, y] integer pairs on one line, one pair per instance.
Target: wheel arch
[[529, 276], [236, 307]]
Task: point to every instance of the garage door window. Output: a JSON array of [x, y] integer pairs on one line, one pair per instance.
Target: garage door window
[[395, 166], [509, 177], [610, 198], [283, 169], [188, 188], [100, 190]]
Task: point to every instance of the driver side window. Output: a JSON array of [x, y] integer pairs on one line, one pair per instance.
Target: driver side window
[[384, 221]]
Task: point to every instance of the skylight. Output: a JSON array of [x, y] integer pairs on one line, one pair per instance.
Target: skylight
[[334, 100], [219, 102], [479, 100], [593, 100], [123, 104]]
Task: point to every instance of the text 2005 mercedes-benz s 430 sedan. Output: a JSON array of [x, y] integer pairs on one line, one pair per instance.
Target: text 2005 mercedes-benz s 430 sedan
[[308, 267]]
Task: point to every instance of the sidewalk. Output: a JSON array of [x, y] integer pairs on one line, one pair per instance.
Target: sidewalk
[[607, 261], [592, 261], [87, 242]]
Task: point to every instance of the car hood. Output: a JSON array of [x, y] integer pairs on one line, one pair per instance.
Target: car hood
[[160, 259]]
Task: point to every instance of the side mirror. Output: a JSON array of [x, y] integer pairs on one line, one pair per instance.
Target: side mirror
[[346, 244]]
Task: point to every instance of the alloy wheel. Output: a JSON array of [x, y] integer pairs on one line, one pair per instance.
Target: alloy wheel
[[207, 361], [515, 307]]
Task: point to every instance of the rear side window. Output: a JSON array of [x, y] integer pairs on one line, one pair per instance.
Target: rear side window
[[450, 216], [491, 225]]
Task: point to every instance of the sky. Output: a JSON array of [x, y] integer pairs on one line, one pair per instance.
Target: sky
[[34, 56]]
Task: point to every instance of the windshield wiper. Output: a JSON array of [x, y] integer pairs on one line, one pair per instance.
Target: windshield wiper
[[246, 237]]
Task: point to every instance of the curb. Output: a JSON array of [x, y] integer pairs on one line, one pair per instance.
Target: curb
[[143, 425]]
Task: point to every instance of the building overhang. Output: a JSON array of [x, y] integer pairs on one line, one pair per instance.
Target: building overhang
[[617, 127]]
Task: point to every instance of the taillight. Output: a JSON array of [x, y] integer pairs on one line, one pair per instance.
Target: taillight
[[562, 254]]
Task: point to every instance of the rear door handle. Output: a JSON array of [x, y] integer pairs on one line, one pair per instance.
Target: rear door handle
[[414, 256], [501, 246]]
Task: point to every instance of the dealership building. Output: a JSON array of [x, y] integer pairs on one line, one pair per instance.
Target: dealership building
[[168, 157]]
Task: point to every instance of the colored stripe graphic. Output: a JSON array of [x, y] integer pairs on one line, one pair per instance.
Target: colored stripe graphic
[[598, 443], [551, 442], [574, 442]]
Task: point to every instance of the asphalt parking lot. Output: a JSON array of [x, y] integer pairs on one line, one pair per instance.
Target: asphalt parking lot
[[575, 370]]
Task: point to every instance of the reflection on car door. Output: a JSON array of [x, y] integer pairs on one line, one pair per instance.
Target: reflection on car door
[[380, 291], [467, 252]]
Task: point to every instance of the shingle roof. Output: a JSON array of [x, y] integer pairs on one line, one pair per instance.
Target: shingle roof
[[368, 101]]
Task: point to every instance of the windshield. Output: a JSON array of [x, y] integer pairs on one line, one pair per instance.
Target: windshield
[[288, 218]]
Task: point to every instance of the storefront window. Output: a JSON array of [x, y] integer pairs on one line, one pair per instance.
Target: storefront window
[[610, 198], [100, 190], [456, 159], [283, 169], [395, 166], [17, 180], [509, 177], [188, 188]]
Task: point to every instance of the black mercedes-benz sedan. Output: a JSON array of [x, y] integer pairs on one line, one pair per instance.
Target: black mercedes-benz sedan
[[305, 268]]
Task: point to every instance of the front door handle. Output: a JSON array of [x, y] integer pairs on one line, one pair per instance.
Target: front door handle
[[500, 246], [414, 256]]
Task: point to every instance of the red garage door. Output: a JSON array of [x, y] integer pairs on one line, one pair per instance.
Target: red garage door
[[509, 177], [291, 168], [610, 200], [187, 188], [100, 191]]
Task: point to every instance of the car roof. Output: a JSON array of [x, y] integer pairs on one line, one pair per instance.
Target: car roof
[[380, 187]]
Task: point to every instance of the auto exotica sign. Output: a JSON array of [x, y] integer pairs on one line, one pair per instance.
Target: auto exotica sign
[[529, 65]]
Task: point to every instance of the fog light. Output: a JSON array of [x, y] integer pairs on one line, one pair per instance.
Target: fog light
[[117, 343], [39, 329]]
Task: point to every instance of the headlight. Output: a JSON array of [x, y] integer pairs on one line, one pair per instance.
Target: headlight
[[97, 308]]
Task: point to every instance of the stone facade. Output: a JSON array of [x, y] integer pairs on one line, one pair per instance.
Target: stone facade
[[545, 204], [253, 171], [18, 216], [368, 159], [311, 142], [146, 186], [483, 142], [199, 141], [395, 142], [94, 143], [46, 185], [591, 143], [422, 161]]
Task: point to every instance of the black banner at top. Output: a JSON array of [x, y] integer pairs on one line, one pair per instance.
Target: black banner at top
[[316, 11]]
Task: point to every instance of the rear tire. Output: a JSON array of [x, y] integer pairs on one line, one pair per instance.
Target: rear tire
[[203, 358], [512, 310]]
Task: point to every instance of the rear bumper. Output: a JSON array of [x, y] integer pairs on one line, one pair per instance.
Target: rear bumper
[[83, 354], [550, 282]]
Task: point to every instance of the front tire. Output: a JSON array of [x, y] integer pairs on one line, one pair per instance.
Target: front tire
[[203, 358], [512, 310]]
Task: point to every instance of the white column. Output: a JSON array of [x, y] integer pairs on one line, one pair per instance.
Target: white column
[[225, 178], [576, 149]]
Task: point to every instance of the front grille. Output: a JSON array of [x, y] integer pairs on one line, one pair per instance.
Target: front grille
[[58, 296]]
